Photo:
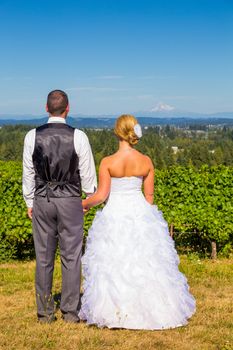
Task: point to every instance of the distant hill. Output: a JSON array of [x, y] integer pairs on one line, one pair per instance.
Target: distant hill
[[182, 114], [160, 115], [98, 122]]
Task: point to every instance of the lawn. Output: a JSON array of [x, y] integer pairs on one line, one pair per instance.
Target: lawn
[[210, 328]]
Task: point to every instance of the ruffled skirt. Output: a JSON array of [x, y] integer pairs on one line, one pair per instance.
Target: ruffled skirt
[[130, 269]]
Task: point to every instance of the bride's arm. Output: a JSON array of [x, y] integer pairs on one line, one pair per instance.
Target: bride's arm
[[103, 187], [148, 183]]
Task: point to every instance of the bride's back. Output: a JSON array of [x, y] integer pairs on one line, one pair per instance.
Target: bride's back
[[128, 163]]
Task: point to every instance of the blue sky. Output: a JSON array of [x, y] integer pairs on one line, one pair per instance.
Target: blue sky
[[114, 56]]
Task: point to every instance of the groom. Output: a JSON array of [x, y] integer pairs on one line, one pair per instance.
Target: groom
[[57, 166]]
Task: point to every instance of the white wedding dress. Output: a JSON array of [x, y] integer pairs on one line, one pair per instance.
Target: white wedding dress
[[130, 267]]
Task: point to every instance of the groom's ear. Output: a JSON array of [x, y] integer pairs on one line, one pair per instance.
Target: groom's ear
[[46, 107], [68, 108]]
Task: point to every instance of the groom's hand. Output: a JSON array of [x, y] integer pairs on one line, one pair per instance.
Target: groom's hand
[[30, 213]]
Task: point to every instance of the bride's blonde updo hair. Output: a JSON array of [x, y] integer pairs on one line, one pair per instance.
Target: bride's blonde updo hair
[[124, 129]]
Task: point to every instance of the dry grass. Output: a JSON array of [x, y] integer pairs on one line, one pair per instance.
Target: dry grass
[[210, 328]]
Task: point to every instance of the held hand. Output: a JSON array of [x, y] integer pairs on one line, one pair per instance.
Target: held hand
[[30, 213], [85, 207]]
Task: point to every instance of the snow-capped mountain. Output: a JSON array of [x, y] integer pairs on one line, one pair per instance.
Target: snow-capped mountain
[[162, 107]]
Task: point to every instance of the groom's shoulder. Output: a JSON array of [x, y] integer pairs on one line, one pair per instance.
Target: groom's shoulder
[[30, 133], [80, 136], [79, 132]]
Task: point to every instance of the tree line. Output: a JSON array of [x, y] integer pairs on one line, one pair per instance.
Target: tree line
[[166, 146]]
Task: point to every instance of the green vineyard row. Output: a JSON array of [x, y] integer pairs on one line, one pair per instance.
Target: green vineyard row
[[197, 203]]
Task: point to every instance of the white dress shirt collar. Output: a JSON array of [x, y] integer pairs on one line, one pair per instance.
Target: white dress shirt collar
[[56, 120]]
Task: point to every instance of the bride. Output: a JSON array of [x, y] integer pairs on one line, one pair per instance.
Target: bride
[[130, 267]]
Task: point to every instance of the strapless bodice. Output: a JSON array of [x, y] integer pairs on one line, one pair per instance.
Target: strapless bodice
[[126, 184]]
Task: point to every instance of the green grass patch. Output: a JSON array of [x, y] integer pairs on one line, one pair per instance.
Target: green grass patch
[[211, 328]]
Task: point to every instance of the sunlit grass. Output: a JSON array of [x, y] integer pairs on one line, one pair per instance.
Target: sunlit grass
[[210, 328]]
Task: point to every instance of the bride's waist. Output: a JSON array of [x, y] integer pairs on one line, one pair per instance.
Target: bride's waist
[[126, 193]]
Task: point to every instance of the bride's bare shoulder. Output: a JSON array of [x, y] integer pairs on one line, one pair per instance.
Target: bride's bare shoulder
[[143, 156], [147, 159], [107, 160]]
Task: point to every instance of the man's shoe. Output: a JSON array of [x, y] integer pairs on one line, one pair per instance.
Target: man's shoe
[[47, 319], [70, 319]]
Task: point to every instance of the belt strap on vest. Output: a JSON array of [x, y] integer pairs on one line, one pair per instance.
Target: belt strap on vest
[[49, 184]]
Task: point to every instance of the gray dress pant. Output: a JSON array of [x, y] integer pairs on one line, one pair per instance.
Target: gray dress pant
[[59, 220]]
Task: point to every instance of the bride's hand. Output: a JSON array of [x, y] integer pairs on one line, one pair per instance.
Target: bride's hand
[[85, 207]]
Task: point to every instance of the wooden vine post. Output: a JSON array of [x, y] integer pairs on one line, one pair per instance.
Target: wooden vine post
[[213, 250], [171, 230]]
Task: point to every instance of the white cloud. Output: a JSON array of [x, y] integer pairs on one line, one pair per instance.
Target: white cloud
[[18, 78], [162, 107], [8, 78], [20, 101], [94, 88], [110, 77], [156, 77], [179, 97], [145, 97]]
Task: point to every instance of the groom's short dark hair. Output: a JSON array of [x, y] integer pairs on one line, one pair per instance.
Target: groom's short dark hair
[[57, 102]]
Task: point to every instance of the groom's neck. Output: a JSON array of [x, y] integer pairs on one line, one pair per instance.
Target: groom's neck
[[62, 116]]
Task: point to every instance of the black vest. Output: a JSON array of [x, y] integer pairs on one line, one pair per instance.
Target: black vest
[[56, 162]]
